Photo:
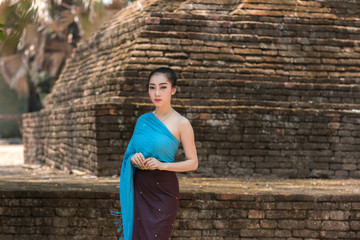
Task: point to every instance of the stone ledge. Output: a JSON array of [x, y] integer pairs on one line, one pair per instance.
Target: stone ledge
[[39, 203], [38, 180]]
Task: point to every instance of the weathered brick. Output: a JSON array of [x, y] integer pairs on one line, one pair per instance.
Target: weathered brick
[[65, 212], [244, 224], [256, 214], [291, 224], [339, 215], [355, 225], [60, 222], [304, 233], [355, 206], [78, 222], [281, 214], [268, 224], [221, 224], [257, 232], [30, 202], [284, 205], [318, 215], [283, 233], [304, 205], [335, 226], [42, 211]]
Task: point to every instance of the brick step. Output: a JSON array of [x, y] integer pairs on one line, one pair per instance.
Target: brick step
[[305, 6], [63, 206], [332, 39], [304, 9], [203, 74], [255, 27], [348, 20], [284, 91], [259, 91], [240, 103], [314, 11], [312, 7]]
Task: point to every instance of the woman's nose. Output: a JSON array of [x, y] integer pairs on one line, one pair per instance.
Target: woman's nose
[[157, 92]]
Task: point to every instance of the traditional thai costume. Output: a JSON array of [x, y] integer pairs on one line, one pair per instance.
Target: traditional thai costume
[[149, 199]]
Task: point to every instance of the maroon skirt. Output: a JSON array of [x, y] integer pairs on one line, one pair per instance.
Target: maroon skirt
[[156, 201]]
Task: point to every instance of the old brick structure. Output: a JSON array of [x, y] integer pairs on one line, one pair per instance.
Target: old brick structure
[[271, 88], [78, 209]]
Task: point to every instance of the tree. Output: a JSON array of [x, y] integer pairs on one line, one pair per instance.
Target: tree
[[38, 35], [2, 34]]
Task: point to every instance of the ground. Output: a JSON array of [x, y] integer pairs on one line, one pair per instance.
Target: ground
[[11, 152], [14, 174]]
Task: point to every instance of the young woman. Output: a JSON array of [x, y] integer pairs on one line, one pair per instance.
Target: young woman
[[149, 189]]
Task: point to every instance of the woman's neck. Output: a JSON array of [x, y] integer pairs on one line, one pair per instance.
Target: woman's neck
[[163, 111]]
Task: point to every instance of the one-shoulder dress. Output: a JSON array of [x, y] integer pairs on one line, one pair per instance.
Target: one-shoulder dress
[[149, 198]]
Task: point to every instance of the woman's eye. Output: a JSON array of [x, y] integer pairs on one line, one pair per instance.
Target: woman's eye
[[151, 87], [163, 87]]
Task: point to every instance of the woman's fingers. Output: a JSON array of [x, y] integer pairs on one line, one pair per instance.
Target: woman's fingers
[[135, 159], [141, 156], [151, 163], [148, 163], [138, 159], [141, 159]]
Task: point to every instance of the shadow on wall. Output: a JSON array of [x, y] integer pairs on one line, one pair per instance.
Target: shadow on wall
[[342, 9]]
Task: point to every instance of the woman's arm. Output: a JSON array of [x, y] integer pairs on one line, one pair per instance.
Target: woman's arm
[[188, 143]]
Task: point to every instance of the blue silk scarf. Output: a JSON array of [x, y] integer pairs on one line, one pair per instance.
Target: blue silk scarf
[[153, 139]]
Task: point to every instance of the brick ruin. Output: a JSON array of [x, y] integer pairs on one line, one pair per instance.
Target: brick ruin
[[271, 88], [78, 209]]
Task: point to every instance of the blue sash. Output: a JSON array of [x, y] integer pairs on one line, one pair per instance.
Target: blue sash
[[153, 139]]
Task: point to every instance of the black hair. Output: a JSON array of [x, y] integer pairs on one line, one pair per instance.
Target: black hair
[[168, 72]]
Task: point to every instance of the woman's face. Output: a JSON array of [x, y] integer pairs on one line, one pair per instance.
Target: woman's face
[[160, 90]]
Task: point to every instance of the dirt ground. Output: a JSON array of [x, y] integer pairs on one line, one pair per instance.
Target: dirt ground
[[14, 174], [11, 152]]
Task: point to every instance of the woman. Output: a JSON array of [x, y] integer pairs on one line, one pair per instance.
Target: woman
[[149, 189]]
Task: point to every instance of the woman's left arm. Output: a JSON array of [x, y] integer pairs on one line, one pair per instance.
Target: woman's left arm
[[188, 142]]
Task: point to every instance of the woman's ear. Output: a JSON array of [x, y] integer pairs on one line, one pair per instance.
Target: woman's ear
[[173, 90]]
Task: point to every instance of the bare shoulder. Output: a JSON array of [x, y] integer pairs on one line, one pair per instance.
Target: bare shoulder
[[181, 120], [183, 125]]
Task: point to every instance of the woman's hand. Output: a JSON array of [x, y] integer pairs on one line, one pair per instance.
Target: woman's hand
[[138, 159], [152, 163]]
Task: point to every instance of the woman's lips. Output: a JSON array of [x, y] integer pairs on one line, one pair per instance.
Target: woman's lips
[[157, 100]]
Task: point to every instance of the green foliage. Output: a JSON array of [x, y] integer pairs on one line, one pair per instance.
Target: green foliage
[[44, 80], [2, 34], [20, 15]]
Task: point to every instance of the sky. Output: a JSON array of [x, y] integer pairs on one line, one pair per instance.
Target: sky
[[107, 1]]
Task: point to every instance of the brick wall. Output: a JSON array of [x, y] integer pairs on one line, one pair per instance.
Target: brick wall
[[239, 141], [279, 51], [64, 138], [90, 138], [203, 216], [278, 142], [271, 88], [58, 213]]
